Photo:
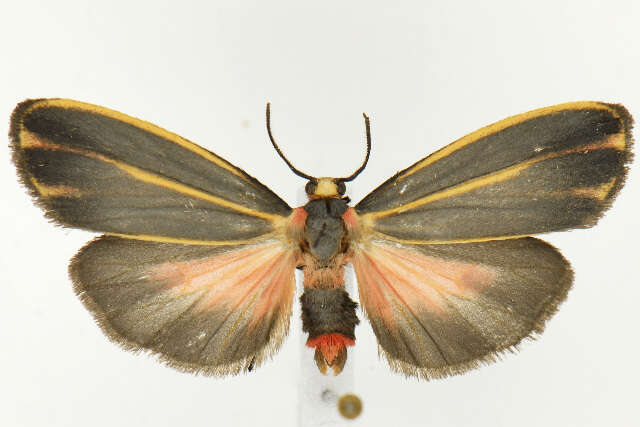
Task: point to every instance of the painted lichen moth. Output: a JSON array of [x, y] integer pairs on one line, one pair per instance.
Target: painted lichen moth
[[196, 263]]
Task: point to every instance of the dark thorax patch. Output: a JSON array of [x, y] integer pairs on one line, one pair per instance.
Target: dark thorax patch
[[324, 228]]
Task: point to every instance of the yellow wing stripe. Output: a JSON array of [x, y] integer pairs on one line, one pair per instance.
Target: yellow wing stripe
[[503, 124], [32, 141], [611, 142], [164, 239], [599, 192], [376, 235], [154, 179], [140, 124], [48, 191], [363, 232]]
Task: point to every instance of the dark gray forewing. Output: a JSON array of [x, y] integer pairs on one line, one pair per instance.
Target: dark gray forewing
[[93, 168], [550, 169]]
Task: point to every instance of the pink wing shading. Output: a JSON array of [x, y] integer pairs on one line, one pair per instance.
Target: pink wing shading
[[214, 310], [439, 310]]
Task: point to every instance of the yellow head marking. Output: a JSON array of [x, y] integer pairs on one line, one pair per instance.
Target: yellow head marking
[[326, 187]]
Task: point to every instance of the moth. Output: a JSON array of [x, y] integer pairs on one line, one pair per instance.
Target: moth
[[197, 260]]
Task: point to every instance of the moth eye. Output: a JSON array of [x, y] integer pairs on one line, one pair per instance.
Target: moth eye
[[342, 188], [310, 188]]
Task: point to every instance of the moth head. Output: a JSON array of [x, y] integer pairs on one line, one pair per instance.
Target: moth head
[[320, 188]]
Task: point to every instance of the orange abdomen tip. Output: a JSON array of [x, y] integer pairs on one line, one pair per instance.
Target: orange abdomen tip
[[331, 351]]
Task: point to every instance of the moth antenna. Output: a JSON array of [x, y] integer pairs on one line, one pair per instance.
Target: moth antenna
[[273, 141], [366, 158]]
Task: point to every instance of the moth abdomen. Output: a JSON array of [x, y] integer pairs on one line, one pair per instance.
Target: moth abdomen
[[327, 311], [329, 316]]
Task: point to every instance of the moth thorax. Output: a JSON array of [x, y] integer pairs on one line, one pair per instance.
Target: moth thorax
[[329, 316], [324, 228]]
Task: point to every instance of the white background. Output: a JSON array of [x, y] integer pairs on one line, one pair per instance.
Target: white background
[[427, 73]]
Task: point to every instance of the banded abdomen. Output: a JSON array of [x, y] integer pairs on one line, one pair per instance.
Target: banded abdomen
[[328, 313]]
